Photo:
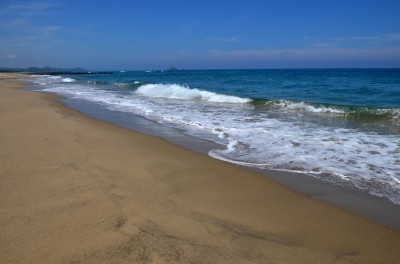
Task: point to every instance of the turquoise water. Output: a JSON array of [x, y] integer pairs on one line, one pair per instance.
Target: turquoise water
[[341, 126]]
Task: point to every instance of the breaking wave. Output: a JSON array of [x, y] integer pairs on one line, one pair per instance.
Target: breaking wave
[[175, 91], [68, 80], [358, 112]]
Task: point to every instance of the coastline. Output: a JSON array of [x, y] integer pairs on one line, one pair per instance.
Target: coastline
[[79, 190], [356, 201]]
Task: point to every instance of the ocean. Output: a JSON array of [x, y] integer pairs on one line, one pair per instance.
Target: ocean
[[336, 125]]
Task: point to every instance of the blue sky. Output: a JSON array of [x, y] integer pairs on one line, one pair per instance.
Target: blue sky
[[135, 35]]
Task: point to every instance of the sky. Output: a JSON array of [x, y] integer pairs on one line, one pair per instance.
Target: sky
[[216, 34]]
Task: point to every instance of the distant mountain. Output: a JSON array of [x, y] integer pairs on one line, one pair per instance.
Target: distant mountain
[[10, 69], [44, 69]]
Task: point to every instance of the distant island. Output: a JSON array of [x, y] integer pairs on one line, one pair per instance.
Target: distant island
[[52, 70], [174, 69], [45, 70]]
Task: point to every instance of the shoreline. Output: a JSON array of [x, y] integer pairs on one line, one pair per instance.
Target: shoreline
[[75, 189], [356, 201]]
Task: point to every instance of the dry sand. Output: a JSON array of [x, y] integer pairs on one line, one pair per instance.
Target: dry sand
[[78, 190]]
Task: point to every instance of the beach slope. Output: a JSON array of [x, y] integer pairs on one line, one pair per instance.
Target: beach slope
[[78, 190]]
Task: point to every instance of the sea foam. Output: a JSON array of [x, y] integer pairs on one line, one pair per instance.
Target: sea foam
[[175, 91], [258, 137], [68, 80], [306, 107]]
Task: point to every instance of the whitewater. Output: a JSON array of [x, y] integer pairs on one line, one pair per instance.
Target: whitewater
[[338, 126]]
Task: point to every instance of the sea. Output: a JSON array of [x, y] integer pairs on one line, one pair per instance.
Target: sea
[[341, 126]]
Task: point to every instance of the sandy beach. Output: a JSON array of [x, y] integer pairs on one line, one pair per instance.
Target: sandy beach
[[78, 190]]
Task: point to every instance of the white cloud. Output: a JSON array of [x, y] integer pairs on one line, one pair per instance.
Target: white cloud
[[306, 54], [47, 30], [230, 40], [31, 6], [21, 16], [227, 40], [14, 22], [378, 41], [392, 37]]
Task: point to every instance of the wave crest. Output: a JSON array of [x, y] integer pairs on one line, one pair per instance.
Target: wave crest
[[175, 91], [305, 107], [68, 80], [358, 112], [133, 84]]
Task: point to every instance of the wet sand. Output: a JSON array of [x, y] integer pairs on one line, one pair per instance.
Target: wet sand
[[78, 190]]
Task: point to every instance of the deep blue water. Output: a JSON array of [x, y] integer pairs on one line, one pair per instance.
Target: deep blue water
[[339, 125], [350, 87]]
